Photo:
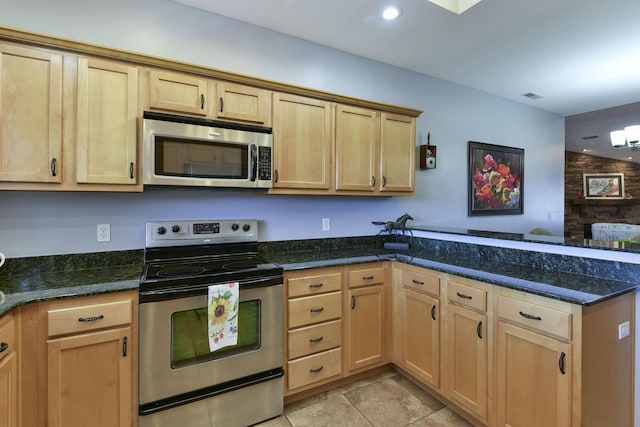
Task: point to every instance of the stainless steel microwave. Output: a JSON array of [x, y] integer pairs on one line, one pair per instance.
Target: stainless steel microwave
[[192, 152]]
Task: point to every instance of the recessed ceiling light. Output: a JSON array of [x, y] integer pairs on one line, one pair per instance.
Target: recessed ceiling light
[[390, 13]]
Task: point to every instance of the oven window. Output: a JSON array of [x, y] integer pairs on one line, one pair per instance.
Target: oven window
[[189, 337], [200, 159]]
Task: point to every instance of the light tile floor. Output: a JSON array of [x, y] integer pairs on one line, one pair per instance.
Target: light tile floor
[[386, 400]]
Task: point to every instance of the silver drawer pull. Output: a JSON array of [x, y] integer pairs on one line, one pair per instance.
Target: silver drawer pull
[[314, 340], [464, 296], [91, 319], [417, 282], [3, 347], [317, 310], [316, 370], [316, 285], [367, 277], [530, 316]]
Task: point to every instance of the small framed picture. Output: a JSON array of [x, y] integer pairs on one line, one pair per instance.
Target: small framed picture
[[603, 185]]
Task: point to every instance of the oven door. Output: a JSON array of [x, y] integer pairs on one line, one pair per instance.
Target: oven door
[[174, 350]]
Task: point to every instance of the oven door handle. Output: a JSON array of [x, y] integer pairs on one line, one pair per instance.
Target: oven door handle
[[162, 294]]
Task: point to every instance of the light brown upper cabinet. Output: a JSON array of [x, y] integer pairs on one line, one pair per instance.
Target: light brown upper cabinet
[[374, 151], [177, 93], [301, 143], [180, 93], [106, 123], [241, 103], [397, 153], [30, 115], [356, 148]]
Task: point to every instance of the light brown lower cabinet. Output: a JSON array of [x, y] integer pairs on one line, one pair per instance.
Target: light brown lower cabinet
[[8, 373], [421, 342], [313, 328], [337, 324], [89, 379], [514, 359], [468, 344], [534, 379], [81, 361], [467, 352]]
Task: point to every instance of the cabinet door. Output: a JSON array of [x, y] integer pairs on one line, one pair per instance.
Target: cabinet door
[[89, 379], [356, 148], [397, 153], [301, 142], [175, 92], [107, 112], [367, 327], [467, 359], [9, 391], [241, 103], [534, 379], [30, 115], [422, 336]]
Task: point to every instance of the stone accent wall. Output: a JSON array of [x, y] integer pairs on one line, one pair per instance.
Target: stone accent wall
[[576, 216]]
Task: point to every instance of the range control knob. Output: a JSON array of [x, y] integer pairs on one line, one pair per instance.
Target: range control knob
[[246, 227], [235, 227], [175, 228], [161, 230]]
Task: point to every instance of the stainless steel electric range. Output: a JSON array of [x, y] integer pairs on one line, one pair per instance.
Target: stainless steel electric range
[[182, 382]]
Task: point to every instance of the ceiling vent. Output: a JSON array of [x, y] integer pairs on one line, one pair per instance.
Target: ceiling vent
[[532, 95]]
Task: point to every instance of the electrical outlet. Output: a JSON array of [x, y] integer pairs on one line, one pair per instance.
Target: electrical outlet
[[104, 232], [624, 329], [326, 224]]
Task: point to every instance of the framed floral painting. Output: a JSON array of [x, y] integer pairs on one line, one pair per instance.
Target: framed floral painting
[[496, 176]]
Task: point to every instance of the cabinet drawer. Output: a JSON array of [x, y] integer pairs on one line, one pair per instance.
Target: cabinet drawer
[[88, 317], [317, 367], [310, 285], [313, 339], [315, 309], [421, 282], [468, 296], [366, 276], [545, 320], [7, 336]]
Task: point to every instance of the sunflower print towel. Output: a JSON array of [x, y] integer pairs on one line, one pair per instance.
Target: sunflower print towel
[[223, 315]]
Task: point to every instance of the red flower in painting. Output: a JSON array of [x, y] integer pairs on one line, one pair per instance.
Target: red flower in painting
[[504, 170], [489, 163]]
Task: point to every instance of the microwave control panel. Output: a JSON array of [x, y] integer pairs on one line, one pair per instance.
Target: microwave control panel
[[264, 163]]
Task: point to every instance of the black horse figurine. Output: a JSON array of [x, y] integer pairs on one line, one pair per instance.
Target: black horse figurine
[[398, 224]]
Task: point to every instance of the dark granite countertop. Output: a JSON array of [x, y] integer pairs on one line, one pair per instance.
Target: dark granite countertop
[[620, 246], [44, 278], [570, 279], [557, 283]]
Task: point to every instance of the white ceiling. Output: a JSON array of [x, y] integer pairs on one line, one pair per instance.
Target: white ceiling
[[578, 55]]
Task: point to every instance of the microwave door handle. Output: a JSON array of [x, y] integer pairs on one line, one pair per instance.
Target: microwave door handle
[[254, 161]]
